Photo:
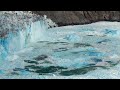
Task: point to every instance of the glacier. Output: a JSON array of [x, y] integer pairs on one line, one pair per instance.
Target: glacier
[[30, 48], [19, 29]]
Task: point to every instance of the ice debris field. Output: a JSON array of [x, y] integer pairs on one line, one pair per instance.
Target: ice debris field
[[35, 51]]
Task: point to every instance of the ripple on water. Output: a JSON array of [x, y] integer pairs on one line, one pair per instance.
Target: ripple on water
[[105, 40], [89, 53], [60, 49], [41, 57], [76, 45], [44, 70], [78, 71], [31, 61]]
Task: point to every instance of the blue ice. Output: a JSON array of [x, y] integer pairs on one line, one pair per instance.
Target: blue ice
[[72, 37], [110, 31]]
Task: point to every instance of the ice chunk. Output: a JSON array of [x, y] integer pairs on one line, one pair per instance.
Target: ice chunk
[[73, 37], [110, 32]]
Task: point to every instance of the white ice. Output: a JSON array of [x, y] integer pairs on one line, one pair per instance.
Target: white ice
[[25, 45]]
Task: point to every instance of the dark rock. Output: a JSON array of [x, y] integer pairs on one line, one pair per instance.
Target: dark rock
[[63, 18]]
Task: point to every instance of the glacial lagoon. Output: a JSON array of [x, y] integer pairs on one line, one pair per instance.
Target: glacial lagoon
[[70, 52]]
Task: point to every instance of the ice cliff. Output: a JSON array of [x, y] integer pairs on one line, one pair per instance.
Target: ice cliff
[[18, 28]]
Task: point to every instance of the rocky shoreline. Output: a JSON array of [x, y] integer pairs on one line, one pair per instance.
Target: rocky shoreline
[[64, 18]]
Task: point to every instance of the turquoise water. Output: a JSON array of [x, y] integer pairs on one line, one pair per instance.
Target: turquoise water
[[82, 51]]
